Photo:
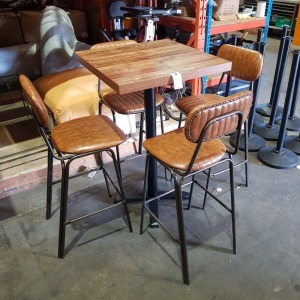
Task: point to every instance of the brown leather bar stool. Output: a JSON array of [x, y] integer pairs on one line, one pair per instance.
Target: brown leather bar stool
[[132, 103], [246, 65], [187, 151], [69, 141]]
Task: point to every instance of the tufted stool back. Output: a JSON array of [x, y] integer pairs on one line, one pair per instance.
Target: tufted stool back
[[246, 64], [199, 116]]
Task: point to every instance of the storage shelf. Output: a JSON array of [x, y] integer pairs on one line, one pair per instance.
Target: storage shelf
[[188, 24], [236, 24], [282, 8]]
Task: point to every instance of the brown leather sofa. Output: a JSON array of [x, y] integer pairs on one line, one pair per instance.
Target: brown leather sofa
[[19, 50], [68, 89]]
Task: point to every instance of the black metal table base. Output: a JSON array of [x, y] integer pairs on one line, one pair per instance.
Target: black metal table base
[[265, 110], [292, 143], [285, 159], [292, 124], [270, 133], [258, 119], [255, 142]]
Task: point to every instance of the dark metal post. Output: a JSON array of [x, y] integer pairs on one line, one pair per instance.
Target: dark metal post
[[270, 131], [233, 40], [265, 109], [280, 157], [259, 35], [293, 122], [261, 47], [150, 111]]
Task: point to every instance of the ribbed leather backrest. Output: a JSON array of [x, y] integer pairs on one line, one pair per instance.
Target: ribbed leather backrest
[[34, 100], [246, 64], [200, 115]]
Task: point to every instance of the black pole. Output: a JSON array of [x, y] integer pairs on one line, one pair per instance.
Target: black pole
[[265, 109], [259, 35], [287, 45], [261, 47], [295, 97], [280, 157], [270, 131], [233, 40], [288, 99], [150, 110], [258, 118], [293, 123], [292, 143]]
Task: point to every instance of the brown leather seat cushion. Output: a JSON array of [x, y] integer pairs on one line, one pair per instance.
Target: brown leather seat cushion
[[176, 151], [177, 147], [71, 94], [86, 134], [186, 104], [132, 103]]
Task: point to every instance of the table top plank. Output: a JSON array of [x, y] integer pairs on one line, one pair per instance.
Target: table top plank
[[140, 66]]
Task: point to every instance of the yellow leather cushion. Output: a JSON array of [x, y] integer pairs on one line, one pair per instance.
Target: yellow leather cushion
[[71, 94]]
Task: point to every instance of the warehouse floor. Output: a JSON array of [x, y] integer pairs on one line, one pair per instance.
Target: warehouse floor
[[105, 261]]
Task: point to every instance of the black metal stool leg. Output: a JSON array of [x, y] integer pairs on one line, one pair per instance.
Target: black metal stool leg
[[144, 194], [104, 173], [119, 178], [141, 133], [246, 151], [49, 185], [180, 120], [191, 193], [231, 166], [117, 147], [63, 210], [181, 233], [161, 120]]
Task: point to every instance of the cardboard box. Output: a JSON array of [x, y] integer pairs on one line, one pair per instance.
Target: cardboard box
[[187, 8], [30, 22], [226, 9], [11, 33]]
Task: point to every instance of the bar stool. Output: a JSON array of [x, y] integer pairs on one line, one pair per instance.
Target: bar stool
[[187, 151], [132, 103], [69, 141], [246, 65]]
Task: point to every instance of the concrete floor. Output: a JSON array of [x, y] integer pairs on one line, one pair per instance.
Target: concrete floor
[[106, 261]]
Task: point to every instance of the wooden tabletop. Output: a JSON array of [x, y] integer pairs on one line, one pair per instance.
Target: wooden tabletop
[[141, 66]]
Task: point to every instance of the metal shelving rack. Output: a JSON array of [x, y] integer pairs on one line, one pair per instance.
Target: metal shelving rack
[[285, 8], [201, 37]]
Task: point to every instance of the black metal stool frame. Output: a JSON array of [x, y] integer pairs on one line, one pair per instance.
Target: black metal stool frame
[[66, 161], [179, 184]]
